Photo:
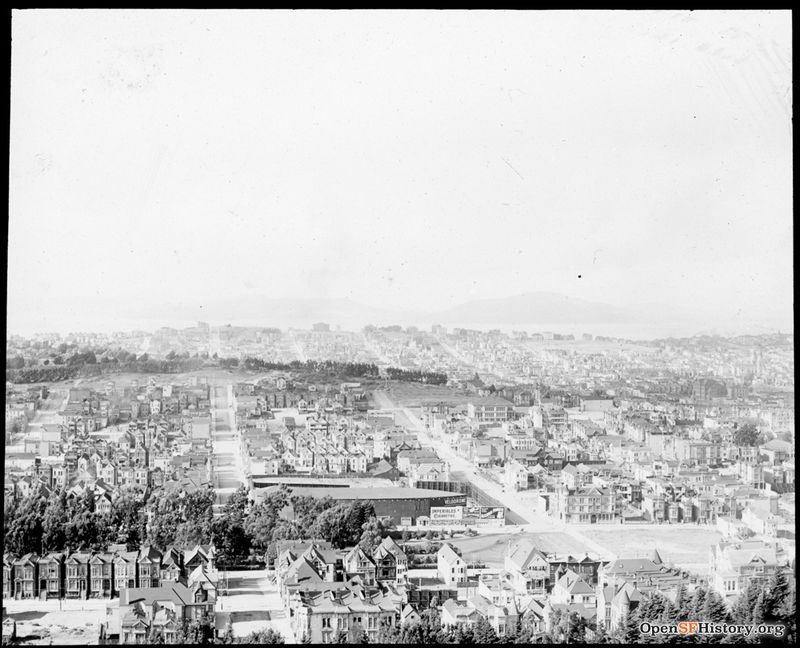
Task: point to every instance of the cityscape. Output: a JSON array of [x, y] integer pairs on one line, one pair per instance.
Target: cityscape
[[292, 358], [344, 485]]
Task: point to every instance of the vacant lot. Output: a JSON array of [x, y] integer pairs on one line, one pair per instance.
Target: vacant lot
[[491, 549], [684, 546], [48, 622], [409, 394]]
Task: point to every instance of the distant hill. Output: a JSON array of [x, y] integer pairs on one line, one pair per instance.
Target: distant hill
[[534, 308]]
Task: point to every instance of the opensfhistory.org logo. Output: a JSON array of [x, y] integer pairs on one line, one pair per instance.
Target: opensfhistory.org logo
[[709, 628]]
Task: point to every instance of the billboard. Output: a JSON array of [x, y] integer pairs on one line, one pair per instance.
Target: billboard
[[446, 513]]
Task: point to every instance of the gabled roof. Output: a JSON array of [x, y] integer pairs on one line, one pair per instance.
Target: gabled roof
[[357, 553], [28, 558], [447, 553], [524, 553], [169, 591], [391, 546], [149, 554]]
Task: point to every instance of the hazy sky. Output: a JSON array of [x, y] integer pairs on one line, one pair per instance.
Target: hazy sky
[[403, 159]]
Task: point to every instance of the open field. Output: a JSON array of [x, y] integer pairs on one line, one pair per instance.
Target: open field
[[413, 394], [491, 548], [67, 622], [684, 546]]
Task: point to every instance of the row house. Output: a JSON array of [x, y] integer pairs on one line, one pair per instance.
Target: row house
[[25, 576], [84, 575]]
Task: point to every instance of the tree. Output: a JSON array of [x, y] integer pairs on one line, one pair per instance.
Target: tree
[[372, 535], [776, 591], [231, 541], [574, 628], [745, 435], [54, 522], [601, 636], [84, 529], [23, 524], [714, 608], [238, 504], [757, 617], [698, 600], [265, 636], [164, 514], [742, 611], [357, 635], [628, 632], [342, 524], [787, 614], [261, 520], [681, 609], [193, 632], [388, 633], [339, 637], [655, 608], [484, 633], [128, 517], [197, 517]]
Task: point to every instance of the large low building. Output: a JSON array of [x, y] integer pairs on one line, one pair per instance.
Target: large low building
[[402, 505]]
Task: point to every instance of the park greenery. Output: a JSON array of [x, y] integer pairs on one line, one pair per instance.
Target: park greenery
[[70, 362]]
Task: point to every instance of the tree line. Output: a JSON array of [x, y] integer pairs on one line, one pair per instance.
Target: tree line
[[39, 524], [773, 602], [89, 363]]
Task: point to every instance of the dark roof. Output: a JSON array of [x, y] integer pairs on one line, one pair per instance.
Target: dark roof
[[373, 493]]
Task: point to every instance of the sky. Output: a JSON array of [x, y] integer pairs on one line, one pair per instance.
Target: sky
[[403, 159]]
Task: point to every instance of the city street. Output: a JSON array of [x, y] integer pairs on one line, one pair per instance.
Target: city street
[[462, 468], [254, 603], [228, 469]]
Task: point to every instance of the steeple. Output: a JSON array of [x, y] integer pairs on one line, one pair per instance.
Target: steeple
[[656, 558]]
